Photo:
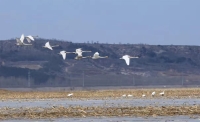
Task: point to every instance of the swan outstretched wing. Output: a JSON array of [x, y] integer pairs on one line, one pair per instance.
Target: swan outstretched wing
[[79, 53], [64, 56], [18, 41], [30, 37], [29, 40], [48, 46], [63, 53], [127, 59], [22, 38]]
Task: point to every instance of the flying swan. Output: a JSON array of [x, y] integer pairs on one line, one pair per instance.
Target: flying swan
[[29, 38], [21, 41], [63, 53], [79, 52], [96, 56], [47, 45], [127, 59]]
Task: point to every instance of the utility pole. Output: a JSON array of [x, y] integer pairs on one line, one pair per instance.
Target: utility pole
[[29, 78], [83, 80]]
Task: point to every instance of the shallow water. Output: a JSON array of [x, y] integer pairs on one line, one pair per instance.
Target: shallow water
[[98, 102], [106, 103], [115, 119]]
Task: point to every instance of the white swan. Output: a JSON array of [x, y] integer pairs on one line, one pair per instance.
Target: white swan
[[79, 52], [153, 93], [21, 41], [69, 95], [127, 59], [47, 45], [30, 38], [63, 53], [129, 95], [124, 95], [162, 93], [96, 56], [143, 95]]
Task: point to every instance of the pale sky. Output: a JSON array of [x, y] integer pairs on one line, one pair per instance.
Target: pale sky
[[112, 21]]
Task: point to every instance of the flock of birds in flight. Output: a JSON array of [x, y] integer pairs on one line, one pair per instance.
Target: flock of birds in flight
[[79, 51]]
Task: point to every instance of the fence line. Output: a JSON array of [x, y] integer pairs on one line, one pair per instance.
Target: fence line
[[83, 79]]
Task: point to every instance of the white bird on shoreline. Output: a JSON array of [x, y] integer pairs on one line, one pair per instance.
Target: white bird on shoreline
[[127, 58], [96, 56], [47, 45], [129, 95], [153, 93], [69, 95], [21, 41], [143, 95], [124, 95], [162, 93]]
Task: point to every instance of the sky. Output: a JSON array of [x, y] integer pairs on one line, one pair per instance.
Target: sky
[[163, 22]]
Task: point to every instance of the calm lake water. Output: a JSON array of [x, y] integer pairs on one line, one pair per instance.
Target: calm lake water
[[98, 102]]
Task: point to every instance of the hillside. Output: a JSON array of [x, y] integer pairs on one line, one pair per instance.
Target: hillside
[[157, 65]]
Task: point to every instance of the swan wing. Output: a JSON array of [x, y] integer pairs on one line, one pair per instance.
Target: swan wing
[[30, 37], [29, 40], [79, 53], [127, 59], [48, 46], [22, 38], [64, 56], [63, 53], [18, 41]]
